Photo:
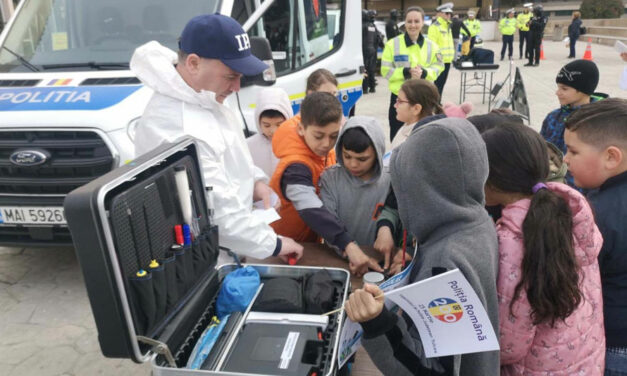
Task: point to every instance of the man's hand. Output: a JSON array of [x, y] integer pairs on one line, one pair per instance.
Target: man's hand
[[397, 262], [384, 244], [362, 305], [262, 191], [623, 56], [290, 249], [358, 261]]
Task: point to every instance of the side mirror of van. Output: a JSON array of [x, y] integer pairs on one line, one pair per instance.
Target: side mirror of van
[[260, 47]]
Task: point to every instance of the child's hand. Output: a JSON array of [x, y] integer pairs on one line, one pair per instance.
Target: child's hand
[[385, 244], [358, 261], [397, 262], [362, 306], [262, 191]]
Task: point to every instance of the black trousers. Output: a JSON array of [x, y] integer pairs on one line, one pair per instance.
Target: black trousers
[[472, 41], [573, 40], [508, 42], [370, 63], [524, 38], [534, 49], [395, 124], [442, 78]]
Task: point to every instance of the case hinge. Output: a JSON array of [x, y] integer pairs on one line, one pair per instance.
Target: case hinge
[[159, 348]]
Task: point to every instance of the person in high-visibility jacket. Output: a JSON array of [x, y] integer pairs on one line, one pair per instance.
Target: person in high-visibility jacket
[[522, 23], [474, 26], [507, 27], [409, 55], [440, 32]]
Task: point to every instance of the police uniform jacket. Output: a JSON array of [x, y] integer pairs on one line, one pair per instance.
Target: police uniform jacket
[[440, 32], [401, 53]]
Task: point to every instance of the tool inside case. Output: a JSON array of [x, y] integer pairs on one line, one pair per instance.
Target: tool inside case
[[151, 294]]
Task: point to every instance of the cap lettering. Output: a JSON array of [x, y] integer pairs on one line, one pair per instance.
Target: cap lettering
[[243, 42]]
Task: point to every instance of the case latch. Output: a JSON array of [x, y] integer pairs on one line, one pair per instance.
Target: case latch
[[159, 348]]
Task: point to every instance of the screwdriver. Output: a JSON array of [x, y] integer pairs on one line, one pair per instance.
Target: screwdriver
[[141, 272], [153, 262]]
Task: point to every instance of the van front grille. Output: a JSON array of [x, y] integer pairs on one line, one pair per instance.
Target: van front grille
[[73, 159]]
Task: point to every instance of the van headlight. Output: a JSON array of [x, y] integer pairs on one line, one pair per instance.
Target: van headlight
[[130, 128]]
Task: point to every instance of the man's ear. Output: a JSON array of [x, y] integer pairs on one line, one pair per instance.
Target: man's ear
[[192, 63], [614, 157]]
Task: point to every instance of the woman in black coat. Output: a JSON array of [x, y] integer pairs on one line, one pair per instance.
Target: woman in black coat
[[574, 33]]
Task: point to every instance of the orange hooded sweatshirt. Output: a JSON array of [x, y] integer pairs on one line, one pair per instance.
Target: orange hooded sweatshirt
[[291, 148]]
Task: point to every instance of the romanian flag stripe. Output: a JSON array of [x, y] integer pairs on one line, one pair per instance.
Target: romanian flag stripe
[[60, 82]]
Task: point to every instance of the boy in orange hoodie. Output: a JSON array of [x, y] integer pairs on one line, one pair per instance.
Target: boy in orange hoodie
[[304, 150]]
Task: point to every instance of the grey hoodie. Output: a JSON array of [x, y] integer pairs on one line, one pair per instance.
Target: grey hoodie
[[350, 198], [438, 177]]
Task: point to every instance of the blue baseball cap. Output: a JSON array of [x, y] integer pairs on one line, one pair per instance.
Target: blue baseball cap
[[214, 36]]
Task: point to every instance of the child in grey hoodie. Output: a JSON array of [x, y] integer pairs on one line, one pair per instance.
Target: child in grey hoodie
[[438, 178], [355, 187]]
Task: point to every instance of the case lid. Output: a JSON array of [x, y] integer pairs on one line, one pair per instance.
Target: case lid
[[122, 226]]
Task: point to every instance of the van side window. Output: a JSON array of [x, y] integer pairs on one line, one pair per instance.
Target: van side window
[[299, 32]]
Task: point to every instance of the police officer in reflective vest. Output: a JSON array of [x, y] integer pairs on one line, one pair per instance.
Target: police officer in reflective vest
[[507, 27], [522, 22], [440, 32], [474, 26], [369, 42], [409, 55]]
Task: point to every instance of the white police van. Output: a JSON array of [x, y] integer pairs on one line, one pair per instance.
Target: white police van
[[69, 104]]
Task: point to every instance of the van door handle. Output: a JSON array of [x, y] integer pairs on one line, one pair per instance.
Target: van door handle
[[346, 72]]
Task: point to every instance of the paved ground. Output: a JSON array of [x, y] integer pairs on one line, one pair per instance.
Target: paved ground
[[46, 325]]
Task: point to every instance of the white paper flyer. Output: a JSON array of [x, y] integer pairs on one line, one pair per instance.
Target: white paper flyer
[[446, 311], [448, 315]]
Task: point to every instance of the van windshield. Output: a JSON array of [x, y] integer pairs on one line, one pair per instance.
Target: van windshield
[[53, 35]]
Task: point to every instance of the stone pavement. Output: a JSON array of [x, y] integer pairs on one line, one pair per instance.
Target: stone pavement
[[46, 325]]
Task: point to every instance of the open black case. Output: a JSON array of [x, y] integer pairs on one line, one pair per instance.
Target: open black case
[[152, 301]]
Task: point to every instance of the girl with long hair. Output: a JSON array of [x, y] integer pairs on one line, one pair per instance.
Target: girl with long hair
[[550, 302], [417, 100]]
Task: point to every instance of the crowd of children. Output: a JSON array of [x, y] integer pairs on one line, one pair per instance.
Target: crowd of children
[[548, 263]]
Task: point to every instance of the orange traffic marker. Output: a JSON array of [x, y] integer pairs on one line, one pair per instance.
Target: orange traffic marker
[[588, 54], [542, 51]]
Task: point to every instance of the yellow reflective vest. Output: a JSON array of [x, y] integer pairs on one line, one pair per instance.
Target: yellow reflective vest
[[522, 21], [474, 26], [440, 33], [507, 26], [397, 56]]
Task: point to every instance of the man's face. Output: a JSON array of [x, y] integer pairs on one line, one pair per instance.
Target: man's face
[[585, 162], [321, 140], [215, 76], [269, 125], [359, 164]]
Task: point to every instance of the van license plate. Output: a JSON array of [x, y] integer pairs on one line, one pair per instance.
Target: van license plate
[[32, 215]]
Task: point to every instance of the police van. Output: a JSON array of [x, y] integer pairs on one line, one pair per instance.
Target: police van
[[69, 103]]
